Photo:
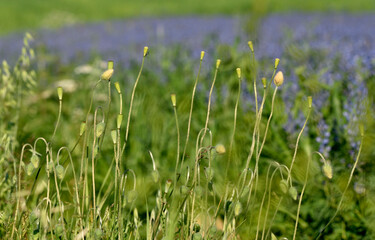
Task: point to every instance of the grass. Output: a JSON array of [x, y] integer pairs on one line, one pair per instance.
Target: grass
[[128, 181], [23, 14]]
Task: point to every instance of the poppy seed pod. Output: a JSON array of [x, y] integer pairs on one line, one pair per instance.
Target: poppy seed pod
[[279, 79]]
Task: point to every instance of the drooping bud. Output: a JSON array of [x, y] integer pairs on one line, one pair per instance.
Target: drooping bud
[[100, 129], [279, 79], [168, 184], [237, 209], [293, 193], [145, 51], [60, 171], [238, 70], [35, 160], [202, 55], [218, 61], [60, 93], [29, 169], [82, 128], [327, 169], [220, 149], [283, 185], [277, 61], [155, 176], [132, 195], [173, 99], [250, 43]]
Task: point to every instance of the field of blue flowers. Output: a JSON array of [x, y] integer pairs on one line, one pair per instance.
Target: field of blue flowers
[[182, 128]]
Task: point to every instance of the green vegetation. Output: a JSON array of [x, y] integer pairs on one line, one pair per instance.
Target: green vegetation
[[119, 153], [24, 14]]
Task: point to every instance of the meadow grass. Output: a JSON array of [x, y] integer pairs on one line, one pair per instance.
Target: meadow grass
[[124, 191], [23, 14]]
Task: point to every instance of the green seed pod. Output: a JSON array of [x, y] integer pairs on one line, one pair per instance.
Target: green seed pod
[[327, 170], [184, 190], [29, 169], [59, 230], [60, 93], [82, 128], [114, 136], [155, 176], [60, 171], [119, 121], [132, 196], [237, 209], [98, 233], [99, 129], [293, 193], [35, 160], [283, 185]]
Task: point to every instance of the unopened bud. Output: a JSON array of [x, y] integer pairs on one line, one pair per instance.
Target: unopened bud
[[264, 82], [117, 86], [35, 160], [283, 185], [220, 149], [277, 61], [279, 79], [119, 121], [202, 55], [237, 209], [114, 136], [327, 170], [60, 93], [238, 70], [107, 74], [173, 99], [110, 64], [362, 130], [250, 43], [145, 51], [218, 61], [99, 129], [293, 193], [82, 128], [309, 100], [60, 171]]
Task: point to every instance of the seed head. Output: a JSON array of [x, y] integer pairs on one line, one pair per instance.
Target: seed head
[[327, 169], [279, 78]]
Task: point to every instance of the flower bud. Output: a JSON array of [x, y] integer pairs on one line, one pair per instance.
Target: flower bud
[[277, 61], [250, 43], [60, 93], [82, 128], [145, 51], [117, 86], [60, 171], [279, 79], [293, 193], [218, 61], [238, 70], [29, 169], [168, 184], [110, 64], [309, 100], [132, 195], [155, 176], [361, 130], [173, 99], [237, 209], [220, 149], [327, 169], [107, 74], [35, 160], [202, 55], [99, 129], [283, 185], [264, 82]]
